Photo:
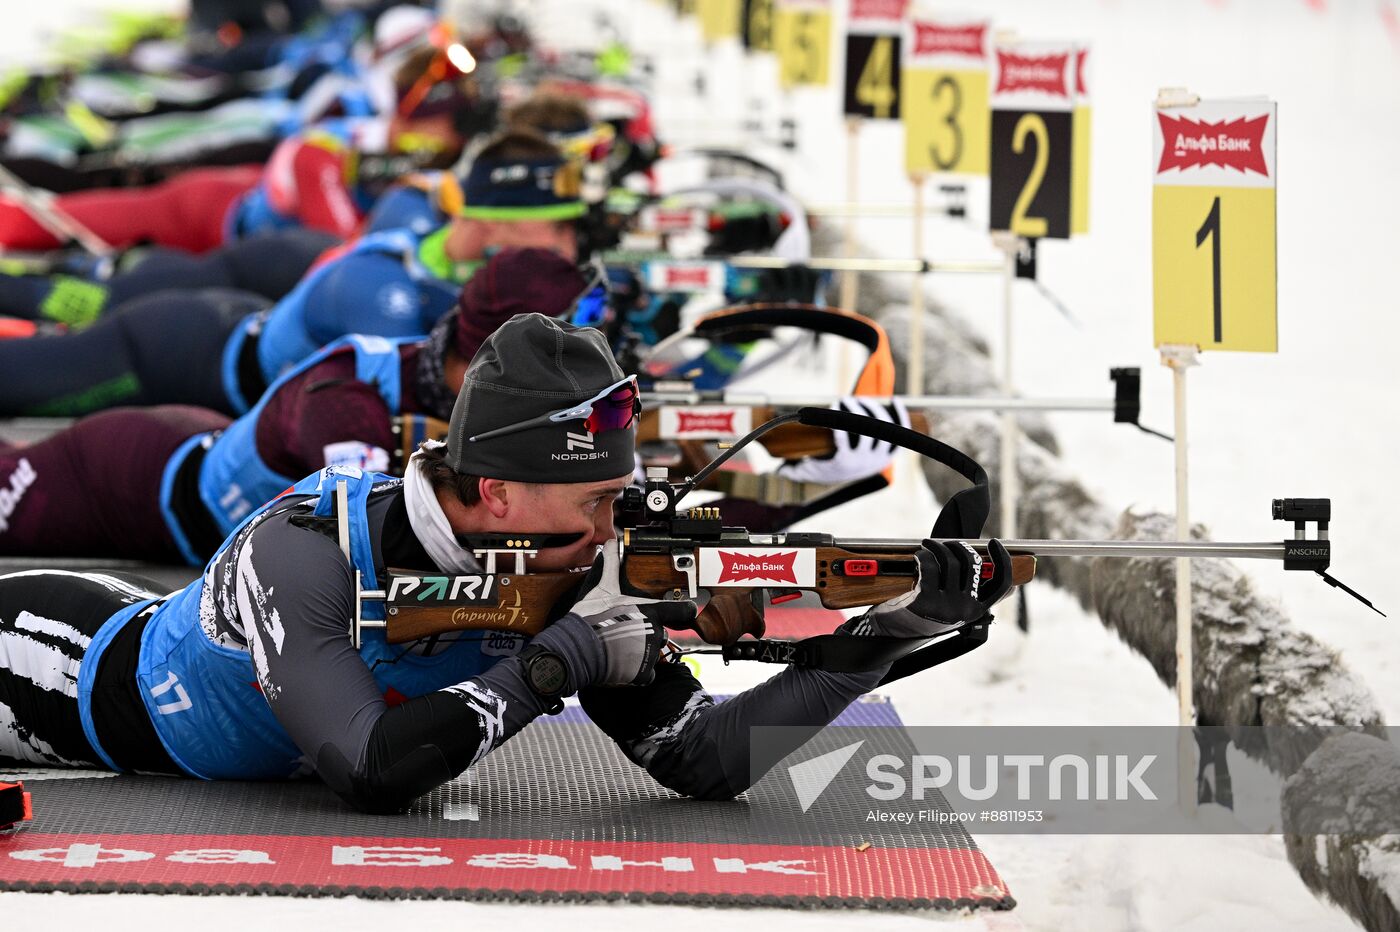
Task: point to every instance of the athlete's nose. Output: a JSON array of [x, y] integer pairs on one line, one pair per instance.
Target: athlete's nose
[[603, 530]]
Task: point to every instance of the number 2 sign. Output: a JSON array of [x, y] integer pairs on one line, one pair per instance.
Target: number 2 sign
[[1214, 238], [1032, 139]]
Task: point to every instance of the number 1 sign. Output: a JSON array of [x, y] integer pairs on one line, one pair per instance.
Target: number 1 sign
[[1214, 240]]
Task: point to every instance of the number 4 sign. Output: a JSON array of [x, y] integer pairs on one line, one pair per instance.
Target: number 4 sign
[[872, 59], [1214, 241]]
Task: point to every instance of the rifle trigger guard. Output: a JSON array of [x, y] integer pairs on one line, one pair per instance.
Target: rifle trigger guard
[[684, 563]]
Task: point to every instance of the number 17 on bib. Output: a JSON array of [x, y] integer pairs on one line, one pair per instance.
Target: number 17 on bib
[[1214, 234]]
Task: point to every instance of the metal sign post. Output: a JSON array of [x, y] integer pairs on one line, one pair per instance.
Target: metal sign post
[[1179, 358], [1008, 490], [850, 280], [915, 375]]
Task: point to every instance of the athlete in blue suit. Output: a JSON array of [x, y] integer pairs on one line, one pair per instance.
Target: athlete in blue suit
[[214, 351], [250, 672]]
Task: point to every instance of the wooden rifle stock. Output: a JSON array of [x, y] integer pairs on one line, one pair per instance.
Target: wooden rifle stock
[[523, 604], [735, 611], [789, 442], [526, 604]]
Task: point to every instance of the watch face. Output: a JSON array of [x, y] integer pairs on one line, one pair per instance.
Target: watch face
[[548, 675]]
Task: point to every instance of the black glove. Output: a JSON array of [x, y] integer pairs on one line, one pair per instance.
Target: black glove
[[756, 233], [630, 628], [796, 283], [950, 592]]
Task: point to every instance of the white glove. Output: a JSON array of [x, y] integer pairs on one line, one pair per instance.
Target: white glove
[[632, 629], [856, 457]]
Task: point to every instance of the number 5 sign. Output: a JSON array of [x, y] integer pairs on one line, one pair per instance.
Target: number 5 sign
[[1214, 241], [802, 41]]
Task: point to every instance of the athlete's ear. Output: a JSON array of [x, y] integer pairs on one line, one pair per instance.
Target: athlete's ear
[[495, 496], [454, 370]]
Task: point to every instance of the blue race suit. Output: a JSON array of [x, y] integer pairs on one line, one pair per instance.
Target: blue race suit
[[202, 691], [233, 479], [377, 286]]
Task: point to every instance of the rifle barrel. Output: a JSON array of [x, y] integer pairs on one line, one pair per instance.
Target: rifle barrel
[[849, 209], [837, 264], [927, 402], [1195, 549]]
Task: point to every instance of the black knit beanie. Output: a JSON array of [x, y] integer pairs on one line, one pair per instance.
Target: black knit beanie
[[530, 366]]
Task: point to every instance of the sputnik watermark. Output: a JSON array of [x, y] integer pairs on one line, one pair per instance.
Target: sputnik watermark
[[1116, 777], [1104, 777], [1066, 780]]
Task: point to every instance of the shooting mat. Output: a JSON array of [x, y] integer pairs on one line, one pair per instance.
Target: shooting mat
[[556, 814]]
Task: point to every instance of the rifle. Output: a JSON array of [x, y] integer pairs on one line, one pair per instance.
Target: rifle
[[668, 553], [41, 206], [875, 378], [676, 411], [672, 554]]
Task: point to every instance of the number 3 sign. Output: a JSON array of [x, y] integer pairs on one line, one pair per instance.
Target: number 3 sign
[[1214, 240], [944, 96]]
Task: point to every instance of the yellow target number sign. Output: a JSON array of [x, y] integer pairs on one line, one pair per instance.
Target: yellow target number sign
[[1214, 231], [872, 63], [943, 97], [756, 25], [872, 76], [719, 19], [802, 41], [1081, 127]]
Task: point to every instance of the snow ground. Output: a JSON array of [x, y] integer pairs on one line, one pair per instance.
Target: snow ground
[[1310, 421]]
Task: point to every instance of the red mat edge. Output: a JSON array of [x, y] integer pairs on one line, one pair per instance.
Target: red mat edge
[[286, 871]]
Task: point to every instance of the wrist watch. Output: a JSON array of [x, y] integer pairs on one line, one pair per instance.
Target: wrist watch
[[547, 676]]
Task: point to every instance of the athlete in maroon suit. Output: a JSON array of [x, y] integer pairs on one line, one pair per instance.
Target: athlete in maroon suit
[[94, 489]]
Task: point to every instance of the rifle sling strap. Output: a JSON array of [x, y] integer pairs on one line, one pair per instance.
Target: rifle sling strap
[[843, 653]]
